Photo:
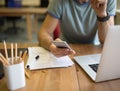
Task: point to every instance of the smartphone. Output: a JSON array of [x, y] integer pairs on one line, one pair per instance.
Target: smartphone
[[61, 44]]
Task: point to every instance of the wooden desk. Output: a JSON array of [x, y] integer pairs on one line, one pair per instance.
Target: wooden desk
[[85, 83], [58, 79], [65, 79], [28, 12]]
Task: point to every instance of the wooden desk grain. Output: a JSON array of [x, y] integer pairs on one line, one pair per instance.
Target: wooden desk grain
[[57, 79], [28, 12]]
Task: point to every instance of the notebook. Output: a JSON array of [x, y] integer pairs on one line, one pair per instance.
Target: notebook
[[40, 58], [108, 62]]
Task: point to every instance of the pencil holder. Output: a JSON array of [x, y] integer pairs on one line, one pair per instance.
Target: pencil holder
[[14, 75]]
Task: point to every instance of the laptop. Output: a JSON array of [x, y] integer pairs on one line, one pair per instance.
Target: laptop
[[104, 66]]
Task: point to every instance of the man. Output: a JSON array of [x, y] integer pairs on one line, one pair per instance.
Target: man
[[79, 21]]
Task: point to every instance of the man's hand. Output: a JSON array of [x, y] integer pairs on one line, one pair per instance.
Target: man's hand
[[59, 52], [100, 7]]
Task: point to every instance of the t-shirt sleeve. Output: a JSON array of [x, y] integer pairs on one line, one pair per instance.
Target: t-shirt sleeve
[[55, 8], [111, 7]]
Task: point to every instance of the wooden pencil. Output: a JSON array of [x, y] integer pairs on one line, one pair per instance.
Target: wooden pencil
[[12, 53], [24, 55], [27, 75], [23, 59], [4, 59], [5, 48], [15, 52], [3, 62], [20, 56]]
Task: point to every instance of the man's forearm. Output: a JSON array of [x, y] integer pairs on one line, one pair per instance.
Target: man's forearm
[[45, 40], [103, 17], [103, 28]]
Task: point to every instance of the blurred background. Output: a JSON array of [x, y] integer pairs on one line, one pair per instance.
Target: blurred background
[[14, 28]]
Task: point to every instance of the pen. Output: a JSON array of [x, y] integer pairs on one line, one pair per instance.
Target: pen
[[37, 57]]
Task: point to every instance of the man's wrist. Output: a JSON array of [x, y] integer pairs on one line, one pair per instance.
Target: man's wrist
[[49, 45], [102, 14], [103, 19]]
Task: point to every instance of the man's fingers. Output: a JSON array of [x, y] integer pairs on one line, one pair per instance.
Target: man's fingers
[[98, 3], [58, 39]]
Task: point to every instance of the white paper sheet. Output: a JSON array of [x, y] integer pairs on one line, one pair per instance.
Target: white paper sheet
[[46, 59]]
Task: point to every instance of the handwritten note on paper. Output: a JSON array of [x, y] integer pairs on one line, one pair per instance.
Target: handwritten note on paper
[[40, 58]]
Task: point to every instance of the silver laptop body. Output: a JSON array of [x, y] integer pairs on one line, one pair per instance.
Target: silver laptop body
[[109, 60]]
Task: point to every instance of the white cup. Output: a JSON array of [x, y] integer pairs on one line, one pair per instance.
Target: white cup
[[15, 77]]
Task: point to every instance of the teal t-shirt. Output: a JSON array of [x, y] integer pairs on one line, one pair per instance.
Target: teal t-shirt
[[78, 22]]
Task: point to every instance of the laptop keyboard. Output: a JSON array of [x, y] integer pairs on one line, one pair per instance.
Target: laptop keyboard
[[94, 67]]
